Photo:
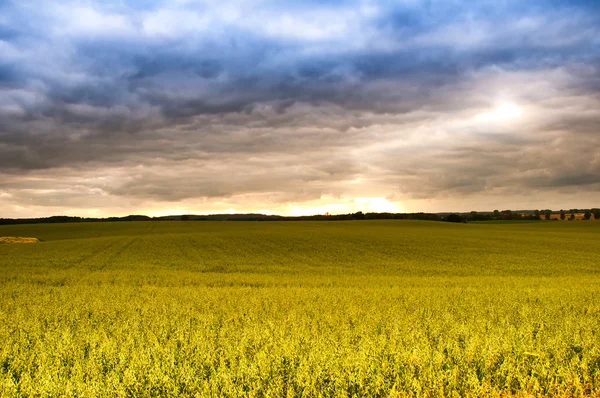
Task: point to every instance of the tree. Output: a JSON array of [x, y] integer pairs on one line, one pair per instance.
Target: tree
[[474, 216], [572, 217], [548, 214], [562, 214], [454, 218], [359, 215], [596, 213], [536, 214], [587, 215], [497, 214]]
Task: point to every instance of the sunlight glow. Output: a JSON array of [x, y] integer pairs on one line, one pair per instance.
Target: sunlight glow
[[377, 205], [344, 206], [503, 113]]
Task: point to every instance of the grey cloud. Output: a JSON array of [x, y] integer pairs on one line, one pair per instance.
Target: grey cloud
[[195, 110]]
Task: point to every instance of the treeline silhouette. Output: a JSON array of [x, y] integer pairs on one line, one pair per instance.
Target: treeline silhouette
[[69, 219], [546, 214], [228, 217], [496, 215]]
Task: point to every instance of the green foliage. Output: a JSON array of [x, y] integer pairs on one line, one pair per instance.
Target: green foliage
[[454, 218], [370, 308]]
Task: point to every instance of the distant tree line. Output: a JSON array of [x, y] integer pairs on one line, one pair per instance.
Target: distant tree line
[[369, 216], [496, 215], [69, 219], [230, 217], [532, 215]]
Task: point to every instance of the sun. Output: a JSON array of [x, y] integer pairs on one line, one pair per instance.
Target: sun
[[502, 113]]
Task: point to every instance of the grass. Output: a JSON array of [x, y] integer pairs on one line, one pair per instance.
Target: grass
[[17, 239], [363, 308]]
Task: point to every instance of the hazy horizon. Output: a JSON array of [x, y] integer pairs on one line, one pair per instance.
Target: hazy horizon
[[174, 214], [201, 107]]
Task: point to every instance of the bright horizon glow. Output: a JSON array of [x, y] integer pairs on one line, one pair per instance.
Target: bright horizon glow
[[324, 205], [343, 206]]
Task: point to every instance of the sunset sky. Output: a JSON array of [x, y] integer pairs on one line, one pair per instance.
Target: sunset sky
[[173, 107]]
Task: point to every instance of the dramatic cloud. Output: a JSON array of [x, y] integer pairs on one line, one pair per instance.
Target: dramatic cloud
[[204, 106]]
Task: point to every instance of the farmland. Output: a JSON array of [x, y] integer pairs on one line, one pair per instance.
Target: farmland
[[349, 308]]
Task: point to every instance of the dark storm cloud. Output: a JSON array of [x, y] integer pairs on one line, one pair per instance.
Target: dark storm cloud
[[324, 93]]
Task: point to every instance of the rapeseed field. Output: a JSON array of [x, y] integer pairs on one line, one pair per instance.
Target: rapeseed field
[[273, 309]]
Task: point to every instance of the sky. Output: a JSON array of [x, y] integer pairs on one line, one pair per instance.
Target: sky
[[119, 107]]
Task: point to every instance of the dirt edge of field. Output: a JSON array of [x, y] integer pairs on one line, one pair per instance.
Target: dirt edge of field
[[17, 239]]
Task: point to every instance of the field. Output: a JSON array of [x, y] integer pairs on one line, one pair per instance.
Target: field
[[357, 308]]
